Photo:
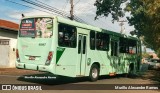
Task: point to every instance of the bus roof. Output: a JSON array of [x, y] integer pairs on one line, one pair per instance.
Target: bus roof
[[82, 25], [52, 16]]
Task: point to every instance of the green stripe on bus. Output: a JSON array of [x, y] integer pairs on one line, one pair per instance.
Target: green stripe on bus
[[59, 53]]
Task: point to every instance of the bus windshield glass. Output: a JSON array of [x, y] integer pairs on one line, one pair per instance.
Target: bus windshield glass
[[36, 27]]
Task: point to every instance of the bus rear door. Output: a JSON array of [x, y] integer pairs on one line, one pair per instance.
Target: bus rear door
[[115, 56]]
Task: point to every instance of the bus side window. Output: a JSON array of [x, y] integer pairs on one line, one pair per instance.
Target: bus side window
[[92, 40], [98, 41], [67, 36], [73, 38], [123, 45], [60, 38], [114, 47], [102, 41], [132, 46]]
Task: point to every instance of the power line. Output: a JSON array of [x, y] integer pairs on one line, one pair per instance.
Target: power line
[[97, 22], [65, 5], [83, 8], [50, 8], [76, 2], [27, 6], [43, 6], [39, 5], [30, 7]]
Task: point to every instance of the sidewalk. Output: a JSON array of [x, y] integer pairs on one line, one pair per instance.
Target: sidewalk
[[15, 71]]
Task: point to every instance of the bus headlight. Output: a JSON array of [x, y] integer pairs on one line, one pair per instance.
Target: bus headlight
[[49, 58]]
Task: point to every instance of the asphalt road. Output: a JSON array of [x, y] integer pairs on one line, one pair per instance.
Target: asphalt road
[[65, 84]]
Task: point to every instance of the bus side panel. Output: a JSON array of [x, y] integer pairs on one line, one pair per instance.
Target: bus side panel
[[100, 57], [97, 56], [66, 61]]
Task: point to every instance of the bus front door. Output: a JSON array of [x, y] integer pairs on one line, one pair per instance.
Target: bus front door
[[82, 43]]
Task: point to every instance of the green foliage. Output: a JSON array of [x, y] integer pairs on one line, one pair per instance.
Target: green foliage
[[145, 55], [106, 7], [145, 16], [158, 53]]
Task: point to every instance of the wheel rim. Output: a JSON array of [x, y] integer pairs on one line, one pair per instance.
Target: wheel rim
[[94, 73]]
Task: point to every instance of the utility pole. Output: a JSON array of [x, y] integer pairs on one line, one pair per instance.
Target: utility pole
[[121, 24], [71, 11]]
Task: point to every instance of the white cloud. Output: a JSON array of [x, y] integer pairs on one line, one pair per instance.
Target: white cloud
[[84, 9], [18, 15]]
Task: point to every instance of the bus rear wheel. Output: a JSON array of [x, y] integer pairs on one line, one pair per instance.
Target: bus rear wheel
[[130, 71], [94, 73]]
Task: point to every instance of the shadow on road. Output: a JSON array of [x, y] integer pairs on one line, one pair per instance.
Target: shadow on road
[[50, 79], [65, 83], [153, 75]]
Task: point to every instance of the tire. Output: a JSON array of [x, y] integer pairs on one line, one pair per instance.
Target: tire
[[130, 72], [94, 73], [124, 75]]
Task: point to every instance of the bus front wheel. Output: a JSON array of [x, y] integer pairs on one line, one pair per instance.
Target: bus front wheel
[[94, 73]]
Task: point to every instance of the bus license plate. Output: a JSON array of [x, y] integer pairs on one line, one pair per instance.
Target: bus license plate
[[31, 58]]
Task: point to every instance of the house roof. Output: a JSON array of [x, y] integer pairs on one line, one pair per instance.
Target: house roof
[[8, 25]]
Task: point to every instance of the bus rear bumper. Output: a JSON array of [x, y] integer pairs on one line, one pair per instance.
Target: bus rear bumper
[[35, 67]]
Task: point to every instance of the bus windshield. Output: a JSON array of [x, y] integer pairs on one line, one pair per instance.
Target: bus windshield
[[36, 27]]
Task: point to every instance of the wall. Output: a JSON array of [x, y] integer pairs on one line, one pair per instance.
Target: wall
[[4, 56], [12, 52], [10, 62]]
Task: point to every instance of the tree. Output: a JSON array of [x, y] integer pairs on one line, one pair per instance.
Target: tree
[[145, 16], [106, 7], [145, 55]]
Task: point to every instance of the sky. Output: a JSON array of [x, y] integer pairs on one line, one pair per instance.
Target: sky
[[84, 9]]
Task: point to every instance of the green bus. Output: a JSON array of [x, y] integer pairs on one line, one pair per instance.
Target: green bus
[[69, 48]]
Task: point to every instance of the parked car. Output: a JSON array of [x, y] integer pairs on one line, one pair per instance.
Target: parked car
[[154, 64]]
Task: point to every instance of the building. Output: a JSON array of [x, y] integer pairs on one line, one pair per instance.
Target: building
[[8, 41]]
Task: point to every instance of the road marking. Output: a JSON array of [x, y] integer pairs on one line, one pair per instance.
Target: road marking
[[10, 76]]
